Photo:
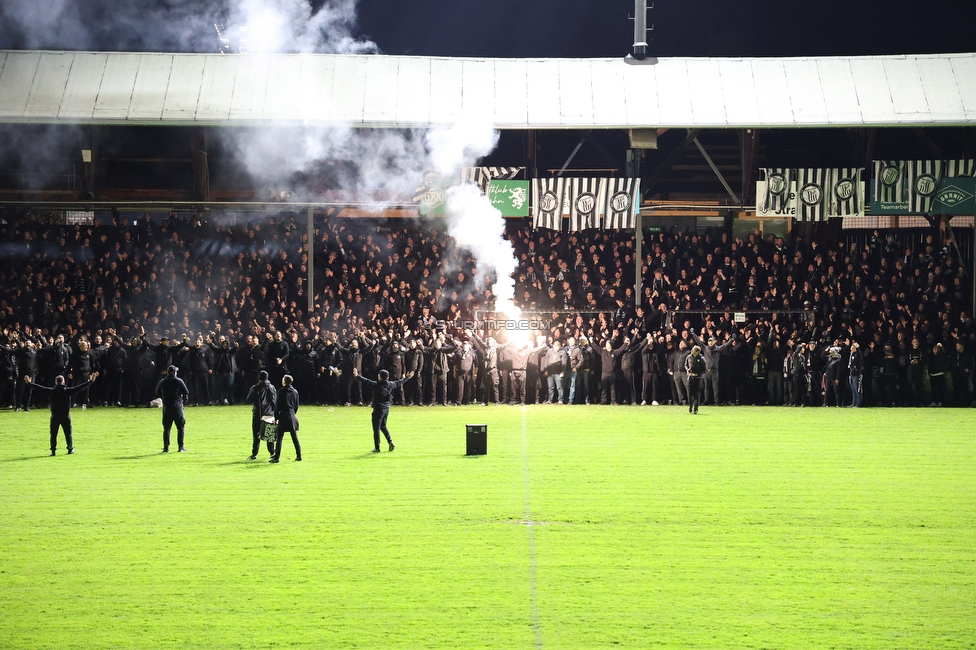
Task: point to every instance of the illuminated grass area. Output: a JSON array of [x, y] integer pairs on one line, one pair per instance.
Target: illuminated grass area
[[583, 527]]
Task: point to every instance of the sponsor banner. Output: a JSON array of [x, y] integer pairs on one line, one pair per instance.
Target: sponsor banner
[[911, 186], [955, 196], [510, 197], [431, 195]]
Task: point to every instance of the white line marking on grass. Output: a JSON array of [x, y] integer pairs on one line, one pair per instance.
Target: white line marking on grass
[[530, 526]]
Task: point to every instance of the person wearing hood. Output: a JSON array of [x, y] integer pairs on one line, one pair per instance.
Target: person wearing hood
[[286, 409], [261, 397], [174, 394], [695, 367]]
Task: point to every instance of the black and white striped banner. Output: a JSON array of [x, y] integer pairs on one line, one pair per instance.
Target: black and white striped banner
[[778, 197], [587, 197], [913, 186], [811, 194], [622, 204], [547, 202], [924, 177], [891, 182], [846, 198], [481, 176], [923, 181]]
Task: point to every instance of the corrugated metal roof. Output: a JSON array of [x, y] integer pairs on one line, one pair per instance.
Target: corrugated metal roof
[[401, 91]]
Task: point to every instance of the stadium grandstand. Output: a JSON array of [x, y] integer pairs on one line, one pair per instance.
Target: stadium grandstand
[[806, 221]]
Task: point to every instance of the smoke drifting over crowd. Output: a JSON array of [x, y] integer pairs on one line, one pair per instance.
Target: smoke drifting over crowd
[[180, 25], [385, 166], [375, 165], [477, 226]]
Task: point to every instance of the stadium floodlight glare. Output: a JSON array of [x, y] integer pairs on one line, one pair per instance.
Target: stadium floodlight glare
[[638, 53]]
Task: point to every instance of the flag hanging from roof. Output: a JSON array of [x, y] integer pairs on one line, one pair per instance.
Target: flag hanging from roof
[[890, 186], [547, 203], [587, 198], [811, 194], [925, 177], [923, 181], [622, 204], [846, 199], [481, 176], [510, 197], [914, 186], [779, 194]]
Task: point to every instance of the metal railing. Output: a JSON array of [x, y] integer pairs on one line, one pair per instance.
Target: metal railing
[[62, 182]]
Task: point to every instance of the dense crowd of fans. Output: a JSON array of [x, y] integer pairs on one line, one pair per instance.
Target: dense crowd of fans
[[828, 325]]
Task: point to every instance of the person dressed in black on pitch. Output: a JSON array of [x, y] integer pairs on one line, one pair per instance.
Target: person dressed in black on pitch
[[60, 397], [695, 367], [173, 392], [382, 399], [262, 397], [286, 408]]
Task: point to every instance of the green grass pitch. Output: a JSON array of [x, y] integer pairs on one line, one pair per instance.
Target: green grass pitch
[[583, 527]]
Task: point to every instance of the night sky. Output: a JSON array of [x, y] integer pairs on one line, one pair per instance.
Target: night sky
[[516, 28], [540, 29], [600, 28]]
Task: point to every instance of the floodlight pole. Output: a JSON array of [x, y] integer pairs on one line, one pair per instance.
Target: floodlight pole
[[640, 30], [638, 52]]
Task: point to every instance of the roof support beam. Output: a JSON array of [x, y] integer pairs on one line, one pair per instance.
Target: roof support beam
[[669, 162], [715, 169], [749, 146]]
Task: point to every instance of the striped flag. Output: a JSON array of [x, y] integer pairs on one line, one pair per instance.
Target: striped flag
[[890, 181], [622, 204], [811, 194], [547, 202], [587, 197], [481, 176], [923, 181], [778, 197], [845, 195], [959, 168]]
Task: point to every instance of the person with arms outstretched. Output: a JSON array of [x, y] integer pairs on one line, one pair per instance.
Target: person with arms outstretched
[[382, 399], [60, 398]]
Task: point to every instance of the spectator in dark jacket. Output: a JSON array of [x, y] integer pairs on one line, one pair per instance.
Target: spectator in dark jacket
[[286, 410], [60, 399], [172, 391], [261, 397], [382, 400]]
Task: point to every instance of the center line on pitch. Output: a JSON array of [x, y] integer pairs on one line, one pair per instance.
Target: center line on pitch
[[529, 525]]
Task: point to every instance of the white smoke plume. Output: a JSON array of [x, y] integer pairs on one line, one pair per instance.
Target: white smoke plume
[[385, 166], [376, 165], [181, 25], [476, 225]]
